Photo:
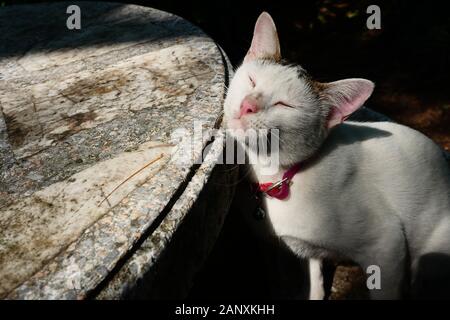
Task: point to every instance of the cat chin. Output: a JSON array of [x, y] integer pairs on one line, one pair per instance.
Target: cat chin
[[236, 124]]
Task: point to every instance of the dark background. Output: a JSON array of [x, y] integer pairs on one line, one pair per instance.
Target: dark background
[[408, 59]]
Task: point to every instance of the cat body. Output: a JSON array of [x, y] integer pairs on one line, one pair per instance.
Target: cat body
[[380, 207], [375, 193]]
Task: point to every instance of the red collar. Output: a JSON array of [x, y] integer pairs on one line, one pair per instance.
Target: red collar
[[280, 189]]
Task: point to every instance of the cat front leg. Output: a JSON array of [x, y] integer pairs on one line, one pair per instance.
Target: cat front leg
[[392, 276], [314, 257], [317, 289], [385, 270]]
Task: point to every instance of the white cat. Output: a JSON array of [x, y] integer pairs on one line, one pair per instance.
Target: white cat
[[375, 193]]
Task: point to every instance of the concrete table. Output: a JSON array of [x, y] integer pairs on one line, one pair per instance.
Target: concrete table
[[80, 112]]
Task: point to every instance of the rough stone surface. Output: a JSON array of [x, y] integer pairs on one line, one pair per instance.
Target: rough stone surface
[[82, 110], [164, 266]]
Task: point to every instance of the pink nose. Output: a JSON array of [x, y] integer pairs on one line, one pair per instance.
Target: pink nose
[[249, 105]]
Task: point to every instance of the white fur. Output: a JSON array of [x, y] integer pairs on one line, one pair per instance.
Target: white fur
[[317, 291], [369, 200], [375, 193]]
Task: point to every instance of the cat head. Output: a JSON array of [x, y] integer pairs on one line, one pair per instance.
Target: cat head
[[266, 93]]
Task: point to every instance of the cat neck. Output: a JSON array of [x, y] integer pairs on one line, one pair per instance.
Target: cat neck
[[267, 169], [264, 168]]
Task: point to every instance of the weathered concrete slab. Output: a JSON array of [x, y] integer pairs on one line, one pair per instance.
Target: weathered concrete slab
[[82, 110]]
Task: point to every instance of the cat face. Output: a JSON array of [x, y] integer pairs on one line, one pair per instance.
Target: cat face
[[267, 94]]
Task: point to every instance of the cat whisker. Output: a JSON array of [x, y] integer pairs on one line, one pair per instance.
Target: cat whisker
[[277, 136]]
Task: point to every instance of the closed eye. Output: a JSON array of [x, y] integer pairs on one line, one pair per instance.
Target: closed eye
[[283, 104], [252, 81]]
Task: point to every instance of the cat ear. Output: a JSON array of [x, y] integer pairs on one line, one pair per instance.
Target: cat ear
[[345, 97], [265, 43]]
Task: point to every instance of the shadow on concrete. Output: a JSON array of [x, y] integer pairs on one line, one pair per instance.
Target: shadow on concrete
[[42, 27]]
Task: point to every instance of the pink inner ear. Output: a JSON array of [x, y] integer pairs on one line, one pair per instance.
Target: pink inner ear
[[341, 113], [265, 42], [335, 117], [346, 106]]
